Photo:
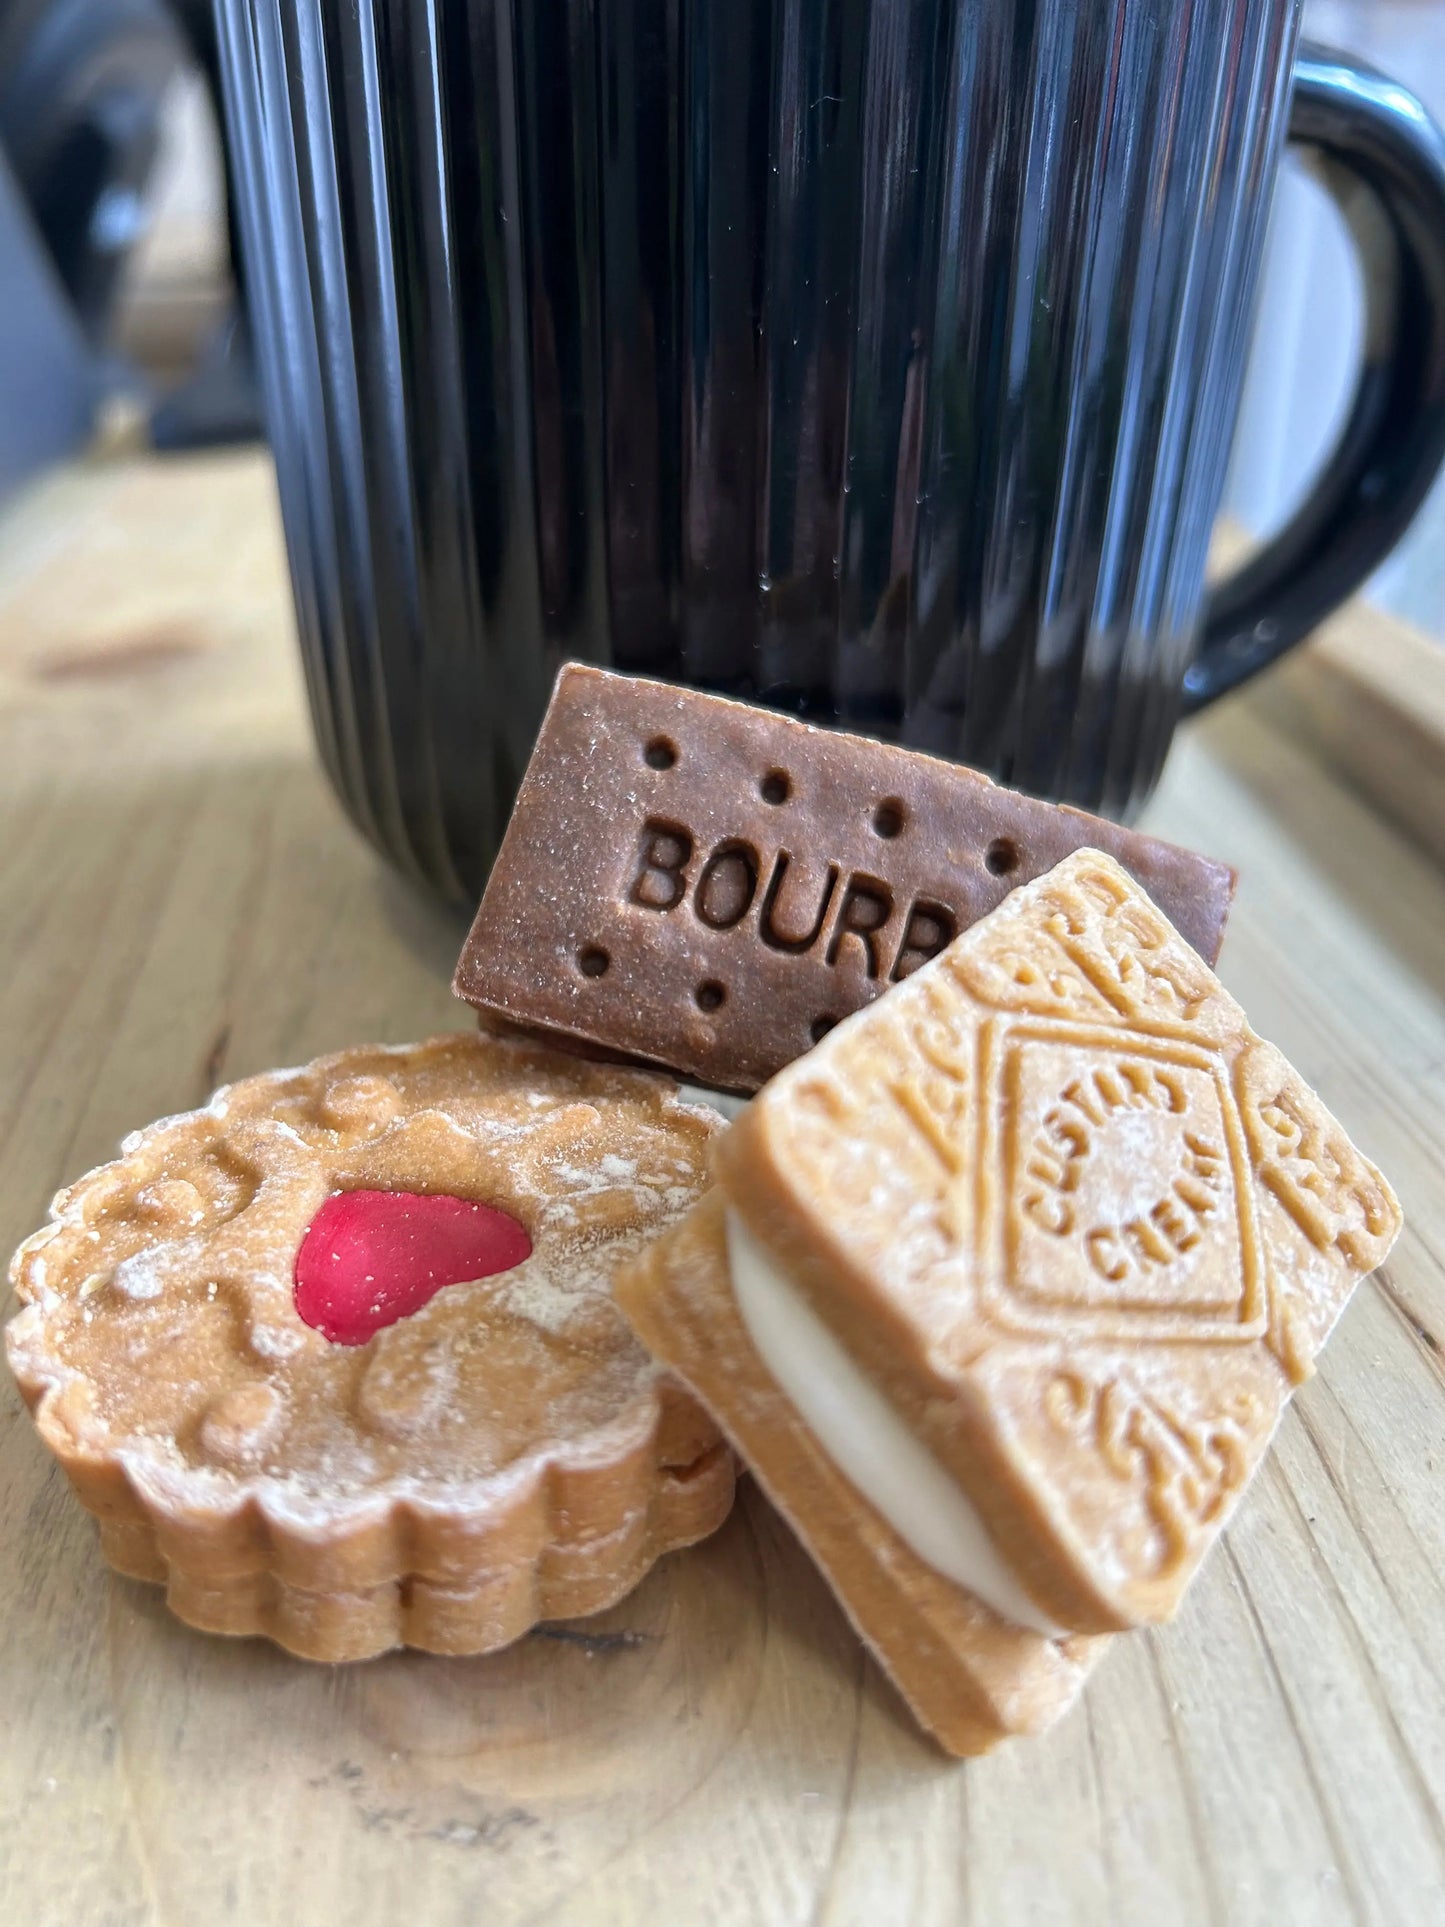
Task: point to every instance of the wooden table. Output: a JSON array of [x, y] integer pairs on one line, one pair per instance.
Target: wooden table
[[181, 902]]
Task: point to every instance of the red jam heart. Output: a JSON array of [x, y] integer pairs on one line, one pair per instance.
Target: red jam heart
[[371, 1257]]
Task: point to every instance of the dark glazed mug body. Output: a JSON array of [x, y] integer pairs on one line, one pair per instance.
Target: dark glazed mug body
[[876, 359]]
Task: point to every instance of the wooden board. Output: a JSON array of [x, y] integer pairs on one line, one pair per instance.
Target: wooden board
[[1368, 698], [181, 901]]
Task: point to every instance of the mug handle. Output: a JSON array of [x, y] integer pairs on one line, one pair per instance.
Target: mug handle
[[1381, 156]]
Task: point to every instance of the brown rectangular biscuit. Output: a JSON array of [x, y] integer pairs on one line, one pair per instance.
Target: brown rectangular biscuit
[[1080, 1229], [710, 886]]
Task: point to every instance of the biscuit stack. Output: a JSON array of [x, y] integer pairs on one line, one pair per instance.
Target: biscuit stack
[[999, 1284]]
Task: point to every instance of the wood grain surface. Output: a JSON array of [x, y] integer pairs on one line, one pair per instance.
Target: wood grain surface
[[1368, 698], [182, 902]]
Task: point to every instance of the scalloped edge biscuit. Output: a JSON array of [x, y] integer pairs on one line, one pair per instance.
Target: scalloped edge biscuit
[[365, 1537]]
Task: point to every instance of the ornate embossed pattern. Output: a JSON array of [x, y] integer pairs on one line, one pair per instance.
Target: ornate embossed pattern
[[1090, 1198], [1169, 1252], [510, 1425]]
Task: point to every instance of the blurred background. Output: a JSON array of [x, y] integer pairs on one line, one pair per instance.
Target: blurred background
[[121, 315], [1307, 338]]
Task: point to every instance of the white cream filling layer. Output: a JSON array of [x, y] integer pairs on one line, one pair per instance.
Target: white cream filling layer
[[866, 1439]]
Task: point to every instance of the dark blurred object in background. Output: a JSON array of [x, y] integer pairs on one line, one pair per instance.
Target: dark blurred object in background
[[83, 92], [81, 86], [49, 387], [220, 401]]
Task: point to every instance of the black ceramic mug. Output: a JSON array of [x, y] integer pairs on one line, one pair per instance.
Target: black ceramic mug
[[877, 359]]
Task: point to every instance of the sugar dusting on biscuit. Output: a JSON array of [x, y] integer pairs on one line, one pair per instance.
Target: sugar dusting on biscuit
[[182, 1251]]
